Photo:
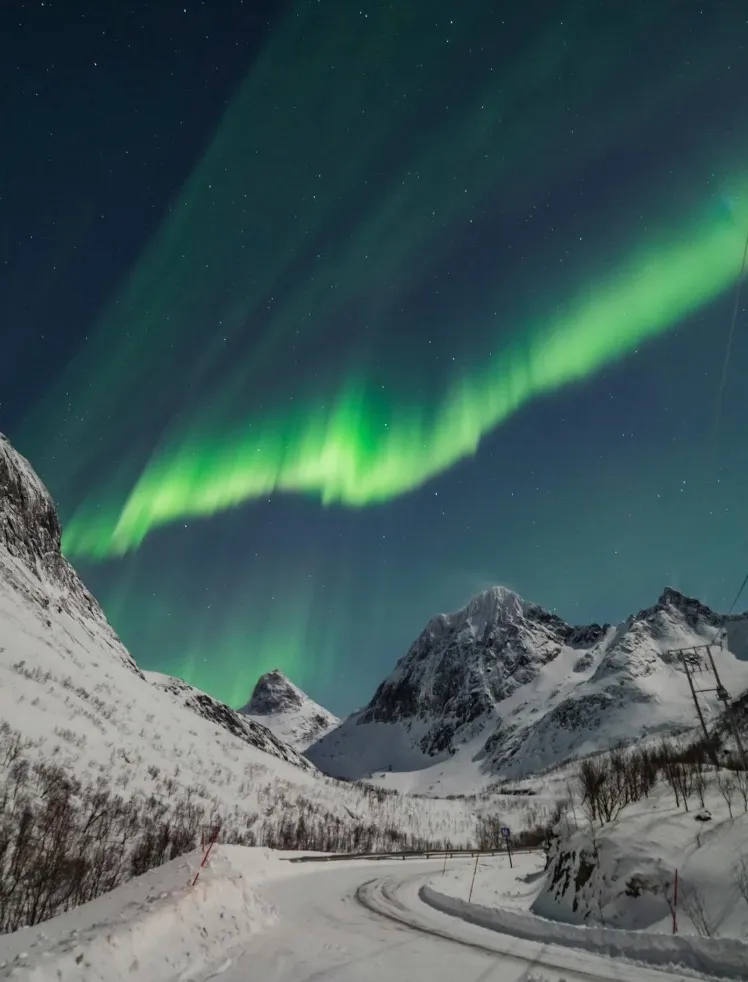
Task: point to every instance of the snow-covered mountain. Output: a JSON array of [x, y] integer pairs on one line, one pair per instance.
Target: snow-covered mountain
[[503, 687], [288, 712], [71, 695]]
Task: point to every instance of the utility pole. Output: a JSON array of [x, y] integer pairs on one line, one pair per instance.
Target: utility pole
[[707, 738], [724, 698], [691, 658]]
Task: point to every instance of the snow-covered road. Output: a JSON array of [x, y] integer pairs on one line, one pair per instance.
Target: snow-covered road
[[369, 925]]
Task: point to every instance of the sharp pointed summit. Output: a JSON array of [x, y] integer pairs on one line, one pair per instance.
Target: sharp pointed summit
[[288, 712]]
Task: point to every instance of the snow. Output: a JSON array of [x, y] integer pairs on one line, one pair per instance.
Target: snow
[[76, 695], [67, 685], [607, 889], [724, 958], [157, 926], [363, 925], [252, 915]]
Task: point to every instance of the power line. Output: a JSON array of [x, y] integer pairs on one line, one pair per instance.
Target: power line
[[737, 595]]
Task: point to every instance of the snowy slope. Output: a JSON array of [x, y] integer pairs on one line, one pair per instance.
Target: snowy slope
[[504, 688], [288, 712], [73, 693], [248, 730]]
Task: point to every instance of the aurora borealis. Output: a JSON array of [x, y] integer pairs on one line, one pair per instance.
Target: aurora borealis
[[364, 307]]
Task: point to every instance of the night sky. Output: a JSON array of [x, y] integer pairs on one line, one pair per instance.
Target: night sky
[[319, 317]]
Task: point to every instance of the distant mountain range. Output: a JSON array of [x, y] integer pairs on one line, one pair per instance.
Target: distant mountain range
[[503, 688], [499, 689]]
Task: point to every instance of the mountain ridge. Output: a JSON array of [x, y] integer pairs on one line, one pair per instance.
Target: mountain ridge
[[503, 686]]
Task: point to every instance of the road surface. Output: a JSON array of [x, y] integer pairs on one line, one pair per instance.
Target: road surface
[[367, 924]]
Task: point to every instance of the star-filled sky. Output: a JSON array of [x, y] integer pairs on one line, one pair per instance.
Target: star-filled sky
[[320, 316]]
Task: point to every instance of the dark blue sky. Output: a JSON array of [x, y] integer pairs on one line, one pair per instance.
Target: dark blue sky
[[589, 500]]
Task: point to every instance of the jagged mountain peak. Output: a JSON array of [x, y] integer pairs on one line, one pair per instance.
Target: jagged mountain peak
[[497, 603], [491, 606], [273, 693], [462, 664], [31, 561], [674, 607], [287, 711]]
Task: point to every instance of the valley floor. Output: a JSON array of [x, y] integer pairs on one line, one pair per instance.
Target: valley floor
[[254, 916]]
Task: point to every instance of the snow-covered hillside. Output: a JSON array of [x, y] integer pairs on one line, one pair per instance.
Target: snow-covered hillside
[[288, 712], [504, 688], [74, 697], [622, 874]]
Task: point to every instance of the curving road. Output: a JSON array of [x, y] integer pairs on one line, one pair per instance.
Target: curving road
[[366, 923]]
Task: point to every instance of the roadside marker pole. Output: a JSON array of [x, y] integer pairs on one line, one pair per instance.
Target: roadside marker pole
[[444, 869], [213, 838], [472, 882], [506, 834], [675, 902]]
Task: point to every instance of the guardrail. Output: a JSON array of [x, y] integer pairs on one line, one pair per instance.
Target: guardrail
[[430, 854]]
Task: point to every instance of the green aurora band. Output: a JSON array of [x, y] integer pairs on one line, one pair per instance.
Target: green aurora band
[[357, 450], [346, 170]]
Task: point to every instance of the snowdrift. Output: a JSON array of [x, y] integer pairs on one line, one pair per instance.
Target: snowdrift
[[153, 928], [723, 957]]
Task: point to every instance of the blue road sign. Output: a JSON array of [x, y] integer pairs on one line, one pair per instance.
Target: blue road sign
[[505, 832]]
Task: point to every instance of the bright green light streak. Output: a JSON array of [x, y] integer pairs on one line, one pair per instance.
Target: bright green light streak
[[357, 452]]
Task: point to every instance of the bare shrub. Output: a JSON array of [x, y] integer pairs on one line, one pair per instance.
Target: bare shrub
[[694, 905], [741, 877], [727, 788]]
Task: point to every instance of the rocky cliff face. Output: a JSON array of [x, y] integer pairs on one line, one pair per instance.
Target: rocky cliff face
[[464, 664], [31, 561]]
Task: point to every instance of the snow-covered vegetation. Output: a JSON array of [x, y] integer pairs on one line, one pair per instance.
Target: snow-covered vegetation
[[631, 821]]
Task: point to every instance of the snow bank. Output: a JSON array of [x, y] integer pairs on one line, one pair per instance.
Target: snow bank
[[153, 928], [723, 957], [496, 883], [621, 875]]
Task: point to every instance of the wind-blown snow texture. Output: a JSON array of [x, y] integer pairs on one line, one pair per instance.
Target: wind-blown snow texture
[[288, 712], [503, 688]]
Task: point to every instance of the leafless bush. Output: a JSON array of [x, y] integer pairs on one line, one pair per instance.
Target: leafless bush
[[694, 905], [741, 784], [741, 877], [63, 843], [727, 786], [608, 782]]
